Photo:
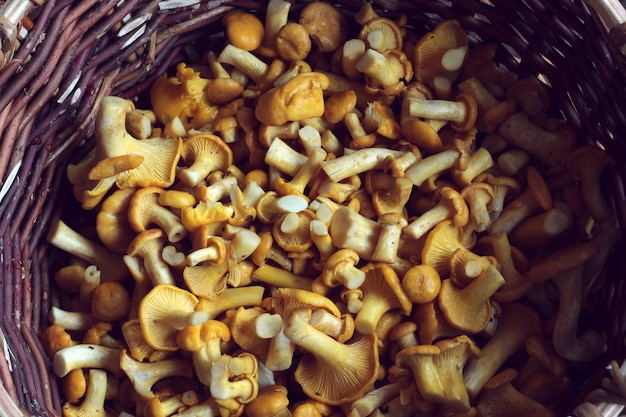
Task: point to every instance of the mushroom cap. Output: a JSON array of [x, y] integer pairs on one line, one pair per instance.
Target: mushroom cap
[[440, 242], [292, 231], [326, 25], [432, 323], [206, 280], [155, 314], [112, 225], [208, 150], [299, 98], [293, 42], [423, 135], [144, 210], [244, 30], [184, 97], [242, 330], [223, 90], [440, 53], [137, 346], [110, 302], [338, 104], [381, 34], [332, 372], [421, 283], [469, 309]]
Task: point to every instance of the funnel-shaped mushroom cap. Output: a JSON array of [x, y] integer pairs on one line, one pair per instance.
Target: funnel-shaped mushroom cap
[[332, 372], [439, 55], [164, 311], [160, 155], [441, 242]]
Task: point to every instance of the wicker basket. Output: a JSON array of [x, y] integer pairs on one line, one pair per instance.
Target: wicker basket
[[73, 53]]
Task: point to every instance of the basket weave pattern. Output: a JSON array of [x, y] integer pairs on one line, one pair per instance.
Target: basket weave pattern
[[77, 52]]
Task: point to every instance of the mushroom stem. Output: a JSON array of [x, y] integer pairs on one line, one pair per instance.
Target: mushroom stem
[[231, 298], [434, 164], [280, 278], [111, 267], [85, 355], [284, 158], [567, 343], [462, 113], [244, 61], [549, 147], [357, 162], [536, 196], [517, 322]]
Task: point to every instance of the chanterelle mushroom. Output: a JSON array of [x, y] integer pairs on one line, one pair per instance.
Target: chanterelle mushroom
[[160, 155], [326, 25], [332, 372], [439, 57], [164, 311]]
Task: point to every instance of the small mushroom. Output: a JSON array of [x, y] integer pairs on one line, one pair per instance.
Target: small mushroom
[[385, 72], [421, 283], [327, 26], [112, 226], [164, 311], [204, 342], [203, 153], [293, 42], [479, 197], [182, 97], [144, 211], [147, 247], [461, 114], [297, 99], [244, 30], [456, 155]]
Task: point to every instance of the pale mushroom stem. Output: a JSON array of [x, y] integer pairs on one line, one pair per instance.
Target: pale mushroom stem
[[432, 165], [112, 267], [322, 346], [483, 287], [280, 278], [437, 109], [232, 298], [181, 318], [358, 162]]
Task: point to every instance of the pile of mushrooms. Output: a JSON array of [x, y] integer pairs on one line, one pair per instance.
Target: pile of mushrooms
[[315, 221]]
